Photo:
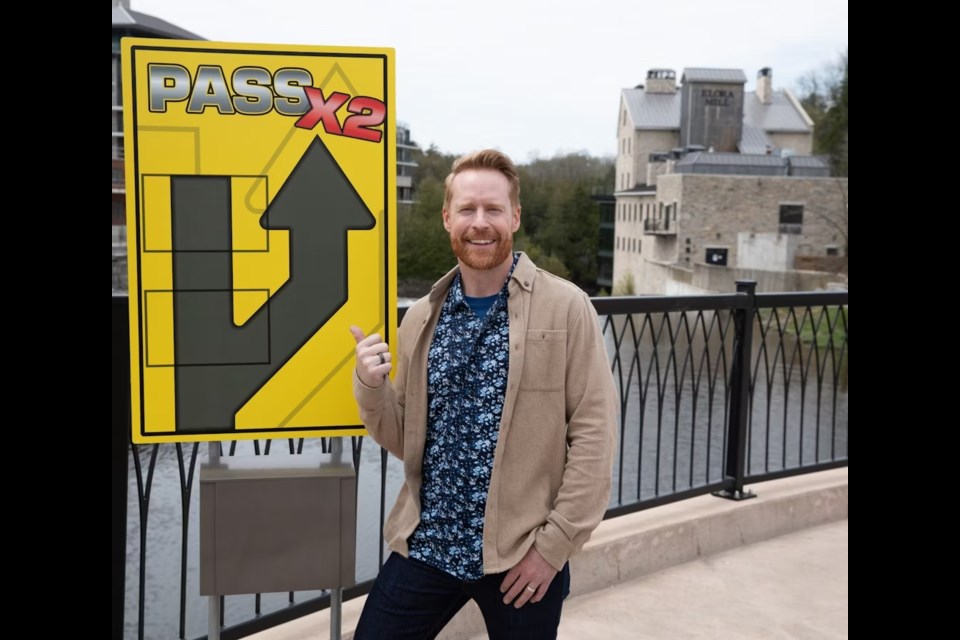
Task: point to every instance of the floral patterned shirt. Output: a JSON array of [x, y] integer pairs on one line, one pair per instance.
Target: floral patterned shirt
[[466, 383]]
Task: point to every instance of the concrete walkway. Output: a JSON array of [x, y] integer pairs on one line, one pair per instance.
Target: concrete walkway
[[770, 568], [790, 587]]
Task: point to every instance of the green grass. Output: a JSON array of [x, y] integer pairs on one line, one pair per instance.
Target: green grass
[[814, 326]]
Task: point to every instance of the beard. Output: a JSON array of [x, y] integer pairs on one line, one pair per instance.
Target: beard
[[484, 258]]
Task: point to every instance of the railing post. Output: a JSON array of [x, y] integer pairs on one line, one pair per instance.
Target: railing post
[[120, 448], [736, 458]]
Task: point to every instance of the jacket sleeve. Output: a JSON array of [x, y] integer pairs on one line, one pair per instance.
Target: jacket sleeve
[[382, 408], [591, 411]]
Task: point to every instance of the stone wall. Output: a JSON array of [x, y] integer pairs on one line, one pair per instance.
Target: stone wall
[[713, 210], [801, 143], [724, 280]]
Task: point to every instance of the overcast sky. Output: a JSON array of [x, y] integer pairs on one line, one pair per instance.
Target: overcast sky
[[533, 78]]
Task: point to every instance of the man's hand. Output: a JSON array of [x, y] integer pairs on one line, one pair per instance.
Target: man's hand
[[533, 572], [373, 358]]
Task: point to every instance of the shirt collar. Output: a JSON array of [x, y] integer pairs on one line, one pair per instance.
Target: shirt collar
[[522, 272], [456, 296]]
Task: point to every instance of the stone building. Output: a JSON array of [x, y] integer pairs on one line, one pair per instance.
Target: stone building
[[406, 167], [127, 22], [715, 184]]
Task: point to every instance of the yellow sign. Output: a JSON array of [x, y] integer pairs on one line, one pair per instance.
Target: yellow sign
[[261, 213]]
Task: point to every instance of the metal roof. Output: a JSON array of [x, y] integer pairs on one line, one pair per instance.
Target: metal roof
[[700, 162], [141, 23], [638, 190], [753, 139], [661, 111], [653, 110], [697, 74], [780, 115], [726, 159], [816, 162]]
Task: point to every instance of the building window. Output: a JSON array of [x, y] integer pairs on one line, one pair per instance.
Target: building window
[[833, 251], [117, 75], [717, 256], [604, 243], [791, 218]]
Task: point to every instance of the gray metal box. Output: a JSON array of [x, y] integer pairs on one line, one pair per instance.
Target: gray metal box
[[277, 523]]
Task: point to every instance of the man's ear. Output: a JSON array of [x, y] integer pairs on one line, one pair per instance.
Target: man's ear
[[516, 219], [446, 219]]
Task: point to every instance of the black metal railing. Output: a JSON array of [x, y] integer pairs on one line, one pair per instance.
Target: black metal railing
[[716, 391], [659, 225]]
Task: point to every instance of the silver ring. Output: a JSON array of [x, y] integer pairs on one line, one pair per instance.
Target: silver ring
[[531, 589], [382, 361]]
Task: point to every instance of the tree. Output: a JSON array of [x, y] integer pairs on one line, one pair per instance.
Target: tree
[[572, 232], [549, 262], [558, 213], [824, 95], [839, 220], [423, 246]]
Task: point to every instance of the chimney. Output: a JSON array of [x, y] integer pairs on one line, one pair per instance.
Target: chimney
[[764, 85], [661, 81]]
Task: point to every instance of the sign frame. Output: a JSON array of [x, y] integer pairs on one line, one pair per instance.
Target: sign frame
[[252, 172]]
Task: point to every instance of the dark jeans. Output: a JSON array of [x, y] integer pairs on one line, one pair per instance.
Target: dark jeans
[[412, 600]]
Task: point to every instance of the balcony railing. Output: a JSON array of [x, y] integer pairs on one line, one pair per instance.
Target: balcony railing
[[660, 226], [715, 391]]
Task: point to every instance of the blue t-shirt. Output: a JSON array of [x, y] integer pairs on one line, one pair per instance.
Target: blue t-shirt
[[480, 306]]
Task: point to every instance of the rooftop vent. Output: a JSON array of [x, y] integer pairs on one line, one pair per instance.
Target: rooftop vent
[[661, 81]]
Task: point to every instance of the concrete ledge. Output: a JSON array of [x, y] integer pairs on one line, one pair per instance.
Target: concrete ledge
[[648, 541], [642, 543]]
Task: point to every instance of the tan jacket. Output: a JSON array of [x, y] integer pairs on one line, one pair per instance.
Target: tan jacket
[[553, 464]]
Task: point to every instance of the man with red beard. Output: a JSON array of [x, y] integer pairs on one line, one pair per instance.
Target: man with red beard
[[503, 410]]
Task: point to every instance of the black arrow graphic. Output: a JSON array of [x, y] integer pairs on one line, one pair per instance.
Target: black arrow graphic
[[219, 365]]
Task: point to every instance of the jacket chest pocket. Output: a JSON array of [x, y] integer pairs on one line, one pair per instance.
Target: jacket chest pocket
[[544, 360]]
